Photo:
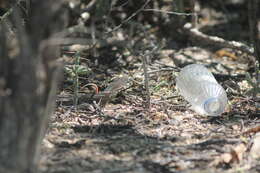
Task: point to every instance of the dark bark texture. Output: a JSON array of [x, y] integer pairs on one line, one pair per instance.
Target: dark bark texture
[[28, 78], [253, 6]]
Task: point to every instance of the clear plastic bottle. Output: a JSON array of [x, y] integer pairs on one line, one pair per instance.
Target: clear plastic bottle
[[200, 88]]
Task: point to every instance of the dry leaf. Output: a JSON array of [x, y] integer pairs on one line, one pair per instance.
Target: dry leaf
[[252, 130], [235, 155], [237, 152], [225, 53]]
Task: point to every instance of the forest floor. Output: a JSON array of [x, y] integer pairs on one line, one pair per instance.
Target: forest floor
[[126, 136]]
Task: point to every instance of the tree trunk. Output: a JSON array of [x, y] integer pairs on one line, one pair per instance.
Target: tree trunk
[[28, 77]]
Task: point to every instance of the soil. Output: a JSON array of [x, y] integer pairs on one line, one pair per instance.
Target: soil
[[129, 135]]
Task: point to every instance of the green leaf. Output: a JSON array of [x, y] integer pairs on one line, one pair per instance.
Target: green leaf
[[69, 71], [82, 70]]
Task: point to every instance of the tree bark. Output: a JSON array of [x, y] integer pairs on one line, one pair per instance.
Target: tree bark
[[253, 6], [28, 77]]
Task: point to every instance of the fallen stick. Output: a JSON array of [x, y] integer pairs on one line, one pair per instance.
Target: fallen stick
[[194, 33]]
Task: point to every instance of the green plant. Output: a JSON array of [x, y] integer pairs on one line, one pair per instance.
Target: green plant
[[160, 85], [74, 71]]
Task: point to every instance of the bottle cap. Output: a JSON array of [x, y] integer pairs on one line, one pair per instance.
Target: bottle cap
[[213, 106]]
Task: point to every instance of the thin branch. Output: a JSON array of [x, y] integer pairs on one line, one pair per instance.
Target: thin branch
[[174, 68], [130, 17], [90, 5], [146, 82], [93, 36], [213, 40], [73, 29], [146, 77], [194, 19], [170, 12], [160, 70]]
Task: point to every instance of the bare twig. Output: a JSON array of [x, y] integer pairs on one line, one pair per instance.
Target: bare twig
[[93, 36], [195, 16], [146, 82], [174, 68], [90, 5], [170, 12], [74, 29], [213, 40], [130, 17], [160, 70], [146, 77]]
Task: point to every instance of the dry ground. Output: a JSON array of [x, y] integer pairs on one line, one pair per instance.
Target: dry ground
[[125, 136]]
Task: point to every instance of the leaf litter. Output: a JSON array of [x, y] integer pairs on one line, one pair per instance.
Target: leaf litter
[[125, 136]]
